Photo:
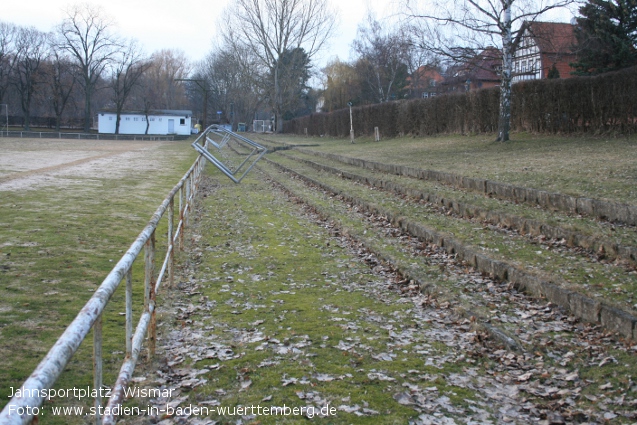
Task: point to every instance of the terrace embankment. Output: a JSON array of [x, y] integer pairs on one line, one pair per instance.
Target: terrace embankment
[[316, 283]]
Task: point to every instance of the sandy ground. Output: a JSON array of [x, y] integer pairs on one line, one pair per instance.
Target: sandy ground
[[30, 163]]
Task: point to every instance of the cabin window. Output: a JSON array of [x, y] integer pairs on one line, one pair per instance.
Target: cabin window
[[182, 121]]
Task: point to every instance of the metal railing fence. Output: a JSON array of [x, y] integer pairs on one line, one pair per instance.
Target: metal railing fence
[[255, 154], [83, 136], [22, 409]]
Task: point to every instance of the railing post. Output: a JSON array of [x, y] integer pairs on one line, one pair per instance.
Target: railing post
[[188, 195], [129, 311], [171, 243], [150, 291], [181, 218], [97, 367]]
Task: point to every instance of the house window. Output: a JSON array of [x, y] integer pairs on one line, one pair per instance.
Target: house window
[[182, 121], [143, 118], [523, 66], [152, 119], [160, 119], [127, 118], [110, 118]]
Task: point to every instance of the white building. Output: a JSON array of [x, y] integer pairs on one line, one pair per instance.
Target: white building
[[160, 121]]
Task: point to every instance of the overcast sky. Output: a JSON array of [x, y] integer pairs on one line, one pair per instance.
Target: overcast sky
[[189, 25]]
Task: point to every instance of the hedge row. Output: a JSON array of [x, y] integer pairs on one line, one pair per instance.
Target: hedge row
[[599, 104]]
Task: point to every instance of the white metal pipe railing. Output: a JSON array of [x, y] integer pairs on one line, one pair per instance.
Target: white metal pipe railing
[[255, 155], [79, 136], [21, 410]]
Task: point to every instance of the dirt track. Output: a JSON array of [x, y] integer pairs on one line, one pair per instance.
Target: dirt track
[[26, 163]]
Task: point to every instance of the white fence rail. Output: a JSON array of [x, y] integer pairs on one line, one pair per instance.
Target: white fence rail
[[82, 136]]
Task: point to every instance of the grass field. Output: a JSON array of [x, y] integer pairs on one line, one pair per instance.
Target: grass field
[[68, 210]]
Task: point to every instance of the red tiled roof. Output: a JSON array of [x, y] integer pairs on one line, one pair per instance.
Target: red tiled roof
[[553, 37], [485, 65], [427, 73]]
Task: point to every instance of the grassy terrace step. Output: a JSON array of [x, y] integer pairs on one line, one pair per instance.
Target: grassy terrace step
[[454, 285], [389, 244], [611, 240], [306, 320], [568, 269], [616, 212], [437, 273], [591, 167], [301, 315]]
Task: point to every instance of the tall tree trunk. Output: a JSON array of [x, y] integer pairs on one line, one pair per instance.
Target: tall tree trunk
[[278, 100], [25, 102], [504, 124], [87, 108], [118, 118]]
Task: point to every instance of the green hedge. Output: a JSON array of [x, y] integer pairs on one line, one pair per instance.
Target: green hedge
[[599, 104]]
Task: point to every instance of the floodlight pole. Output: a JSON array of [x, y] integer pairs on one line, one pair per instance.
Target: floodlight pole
[[351, 123], [202, 85]]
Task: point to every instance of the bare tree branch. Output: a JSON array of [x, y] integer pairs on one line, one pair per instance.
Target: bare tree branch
[[270, 28], [452, 29], [86, 35]]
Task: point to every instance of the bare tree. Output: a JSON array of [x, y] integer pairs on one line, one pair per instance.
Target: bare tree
[[467, 27], [232, 78], [157, 88], [127, 67], [166, 67], [60, 80], [33, 50], [383, 57], [8, 55], [270, 28], [86, 35]]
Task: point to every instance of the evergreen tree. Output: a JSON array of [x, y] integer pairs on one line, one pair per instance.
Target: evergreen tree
[[293, 72], [607, 36], [554, 73]]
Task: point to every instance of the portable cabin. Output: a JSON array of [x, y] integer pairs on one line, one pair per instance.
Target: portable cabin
[[159, 121]]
